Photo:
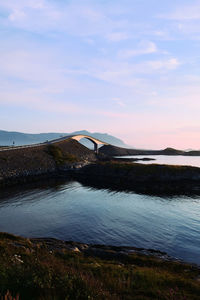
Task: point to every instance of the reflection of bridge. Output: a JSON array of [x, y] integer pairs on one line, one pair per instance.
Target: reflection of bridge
[[76, 137]]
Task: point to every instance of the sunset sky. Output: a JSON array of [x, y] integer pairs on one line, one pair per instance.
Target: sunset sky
[[130, 68]]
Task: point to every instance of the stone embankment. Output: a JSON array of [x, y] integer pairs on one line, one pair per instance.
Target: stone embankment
[[141, 178], [27, 164], [71, 158]]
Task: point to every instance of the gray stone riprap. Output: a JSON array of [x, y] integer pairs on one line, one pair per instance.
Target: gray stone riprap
[[152, 179], [101, 251], [29, 163]]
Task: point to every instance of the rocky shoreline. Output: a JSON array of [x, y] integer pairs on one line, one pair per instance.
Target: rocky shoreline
[[141, 178], [42, 260], [71, 159], [119, 176], [102, 251], [52, 269], [37, 163]]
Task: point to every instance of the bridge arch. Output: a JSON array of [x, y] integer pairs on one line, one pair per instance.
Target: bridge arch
[[78, 137]]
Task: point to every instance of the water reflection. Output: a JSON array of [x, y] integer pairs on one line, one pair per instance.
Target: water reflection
[[163, 189], [71, 210], [179, 160]]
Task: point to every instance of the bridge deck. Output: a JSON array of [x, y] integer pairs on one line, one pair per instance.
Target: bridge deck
[[77, 137]]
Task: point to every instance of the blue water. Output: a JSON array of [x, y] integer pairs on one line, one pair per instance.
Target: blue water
[[71, 211], [168, 159]]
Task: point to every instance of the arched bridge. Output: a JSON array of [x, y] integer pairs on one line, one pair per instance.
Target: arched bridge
[[78, 137]]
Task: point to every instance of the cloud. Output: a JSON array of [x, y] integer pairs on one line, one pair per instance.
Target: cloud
[[183, 21], [168, 64], [181, 99], [100, 63], [73, 18], [36, 68], [16, 15], [132, 75], [114, 73], [145, 47], [119, 102], [37, 100], [184, 12], [117, 36]]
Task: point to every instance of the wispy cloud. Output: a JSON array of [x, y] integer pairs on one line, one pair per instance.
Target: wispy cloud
[[35, 68], [144, 47], [168, 64], [129, 74], [118, 36], [38, 101], [119, 101], [184, 12], [101, 65], [74, 18]]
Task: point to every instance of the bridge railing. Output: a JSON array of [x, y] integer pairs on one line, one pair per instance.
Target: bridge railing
[[8, 148]]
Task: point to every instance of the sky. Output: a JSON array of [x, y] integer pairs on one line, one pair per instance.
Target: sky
[[130, 68]]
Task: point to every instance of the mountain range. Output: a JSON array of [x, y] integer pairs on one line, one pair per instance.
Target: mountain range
[[19, 138]]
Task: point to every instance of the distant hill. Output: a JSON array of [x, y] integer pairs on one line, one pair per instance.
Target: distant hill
[[19, 138], [112, 150]]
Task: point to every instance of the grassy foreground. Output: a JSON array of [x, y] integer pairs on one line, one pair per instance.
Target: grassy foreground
[[30, 270]]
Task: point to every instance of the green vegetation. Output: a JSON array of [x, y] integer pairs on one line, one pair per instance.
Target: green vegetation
[[4, 158], [142, 169], [60, 157], [32, 270]]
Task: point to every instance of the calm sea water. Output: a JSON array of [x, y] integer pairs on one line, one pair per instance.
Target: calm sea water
[[169, 159], [71, 211]]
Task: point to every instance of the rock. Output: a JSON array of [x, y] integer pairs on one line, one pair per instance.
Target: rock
[[17, 259], [75, 249]]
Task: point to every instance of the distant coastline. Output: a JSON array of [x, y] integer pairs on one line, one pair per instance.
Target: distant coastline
[[112, 150], [51, 258], [70, 158]]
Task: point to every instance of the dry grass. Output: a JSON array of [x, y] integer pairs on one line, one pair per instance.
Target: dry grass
[[34, 272], [9, 296], [60, 156]]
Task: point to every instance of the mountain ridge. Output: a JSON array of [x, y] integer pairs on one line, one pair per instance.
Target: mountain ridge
[[21, 138]]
